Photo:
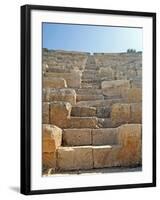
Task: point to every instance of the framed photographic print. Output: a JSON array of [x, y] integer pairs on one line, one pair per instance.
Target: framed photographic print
[[88, 99]]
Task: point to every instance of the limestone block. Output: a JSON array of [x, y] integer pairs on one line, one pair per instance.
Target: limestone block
[[89, 97], [86, 91], [104, 136], [52, 138], [66, 94], [76, 137], [52, 82], [130, 138], [120, 114], [136, 113], [106, 156], [100, 103], [48, 160], [74, 158], [137, 82], [83, 122], [115, 88], [83, 111], [45, 95], [60, 113], [134, 95], [106, 72], [45, 113], [73, 79]]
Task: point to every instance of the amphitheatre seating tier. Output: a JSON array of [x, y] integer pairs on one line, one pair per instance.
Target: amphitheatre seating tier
[[91, 110]]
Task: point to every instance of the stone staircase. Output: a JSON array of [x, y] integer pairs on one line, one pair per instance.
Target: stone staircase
[[89, 121]]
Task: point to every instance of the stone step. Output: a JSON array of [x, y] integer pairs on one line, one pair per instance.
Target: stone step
[[88, 91], [83, 122], [90, 76], [91, 80], [106, 123], [90, 71], [100, 112], [73, 78], [88, 97], [100, 103], [90, 85], [78, 137], [87, 157], [91, 67], [83, 111], [58, 70]]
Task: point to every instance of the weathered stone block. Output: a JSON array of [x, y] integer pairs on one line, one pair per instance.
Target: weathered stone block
[[134, 95], [105, 136], [76, 137], [86, 97], [48, 160], [45, 113], [60, 113], [52, 138], [130, 138], [106, 72], [73, 79], [83, 111], [120, 114], [136, 113], [74, 158], [99, 103], [52, 82], [115, 88], [66, 94], [106, 156], [83, 122], [45, 95]]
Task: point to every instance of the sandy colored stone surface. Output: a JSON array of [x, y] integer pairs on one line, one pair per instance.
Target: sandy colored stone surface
[[114, 88], [77, 137], [100, 103], [105, 136], [105, 156], [71, 158], [83, 111], [106, 72], [120, 114], [136, 113], [45, 94], [60, 113], [52, 82], [86, 97], [73, 79], [66, 94], [130, 138], [134, 95], [52, 138], [83, 122], [48, 160], [45, 113], [126, 113]]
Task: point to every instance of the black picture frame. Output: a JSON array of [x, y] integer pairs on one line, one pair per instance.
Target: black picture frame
[[25, 181]]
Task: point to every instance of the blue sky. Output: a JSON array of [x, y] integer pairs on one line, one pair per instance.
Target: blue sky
[[91, 38]]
